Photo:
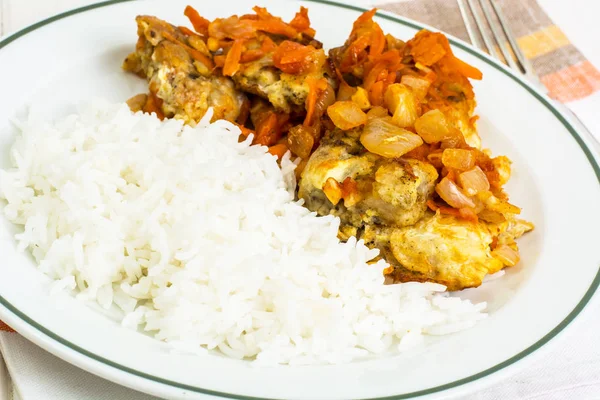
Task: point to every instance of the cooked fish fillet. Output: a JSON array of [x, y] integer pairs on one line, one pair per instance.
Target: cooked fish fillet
[[390, 213], [286, 92], [185, 86], [389, 191]]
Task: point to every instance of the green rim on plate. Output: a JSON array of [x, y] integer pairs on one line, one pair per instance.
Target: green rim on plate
[[400, 20]]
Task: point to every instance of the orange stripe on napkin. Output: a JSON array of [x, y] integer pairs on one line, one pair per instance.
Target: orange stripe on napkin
[[543, 41], [5, 328], [573, 83]]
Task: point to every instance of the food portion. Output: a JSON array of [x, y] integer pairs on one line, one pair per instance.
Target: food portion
[[181, 79], [206, 241], [256, 70], [384, 130], [142, 216]]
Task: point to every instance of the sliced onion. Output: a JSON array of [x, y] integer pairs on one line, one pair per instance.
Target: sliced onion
[[435, 158], [507, 255], [377, 112], [419, 85], [460, 159], [300, 141], [345, 92], [490, 216], [346, 115], [381, 136], [325, 99], [452, 194], [473, 181], [433, 126], [361, 98], [403, 105], [332, 190]]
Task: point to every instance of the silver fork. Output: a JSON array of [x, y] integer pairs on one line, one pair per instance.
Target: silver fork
[[502, 38]]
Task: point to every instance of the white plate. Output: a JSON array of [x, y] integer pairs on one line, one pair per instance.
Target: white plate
[[77, 55]]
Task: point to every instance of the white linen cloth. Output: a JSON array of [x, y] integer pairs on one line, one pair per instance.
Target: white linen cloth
[[568, 369]]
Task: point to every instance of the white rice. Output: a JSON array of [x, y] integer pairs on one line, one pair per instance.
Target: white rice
[[198, 240]]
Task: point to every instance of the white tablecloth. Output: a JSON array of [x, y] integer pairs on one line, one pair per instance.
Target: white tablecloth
[[568, 369]]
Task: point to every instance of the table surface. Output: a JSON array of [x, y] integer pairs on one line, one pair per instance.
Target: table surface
[[570, 368]]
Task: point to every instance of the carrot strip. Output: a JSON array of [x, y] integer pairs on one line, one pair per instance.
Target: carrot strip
[[376, 93], [301, 22], [271, 24], [314, 89], [267, 44], [187, 31], [220, 60], [244, 131], [278, 150], [251, 55], [267, 132], [199, 23], [232, 61], [467, 70]]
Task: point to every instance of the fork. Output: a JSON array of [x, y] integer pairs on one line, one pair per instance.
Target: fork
[[502, 45]]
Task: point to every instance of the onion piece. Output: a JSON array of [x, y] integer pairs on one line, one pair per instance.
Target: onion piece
[[420, 86], [493, 217], [473, 181], [361, 98], [332, 190], [381, 136], [452, 194], [403, 105], [345, 91], [346, 115], [377, 112], [433, 127], [460, 159], [300, 141], [507, 255]]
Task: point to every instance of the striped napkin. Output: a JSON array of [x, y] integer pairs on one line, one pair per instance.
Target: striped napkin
[[569, 78]]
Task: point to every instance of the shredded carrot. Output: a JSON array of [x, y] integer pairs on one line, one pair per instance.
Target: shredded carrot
[[187, 31], [232, 61], [302, 23], [433, 206], [468, 214], [244, 131], [220, 60], [315, 87], [378, 41], [278, 150], [295, 58], [267, 130], [271, 24], [232, 28], [376, 93], [251, 55], [390, 61], [365, 17], [267, 44], [199, 23], [466, 69]]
